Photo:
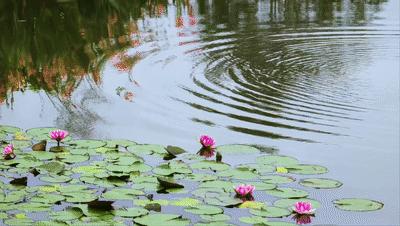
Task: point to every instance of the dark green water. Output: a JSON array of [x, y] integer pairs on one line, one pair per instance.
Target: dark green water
[[318, 80]]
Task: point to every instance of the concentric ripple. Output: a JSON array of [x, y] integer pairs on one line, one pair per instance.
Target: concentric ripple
[[292, 81]]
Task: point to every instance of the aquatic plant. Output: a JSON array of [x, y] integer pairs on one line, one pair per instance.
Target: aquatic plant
[[207, 141], [8, 152], [303, 208], [58, 135], [245, 191]]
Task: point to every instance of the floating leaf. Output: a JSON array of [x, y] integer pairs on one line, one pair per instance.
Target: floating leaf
[[276, 160], [9, 129], [42, 155], [239, 173], [287, 193], [253, 220], [204, 210], [41, 146], [122, 143], [215, 218], [252, 205], [237, 149], [320, 183], [47, 198], [131, 212], [51, 167], [222, 200], [75, 158], [174, 150], [67, 215], [307, 169], [260, 186], [185, 202], [55, 179], [146, 149], [271, 211], [226, 185], [153, 207], [122, 193], [33, 207], [210, 165], [144, 202], [168, 183], [275, 179], [161, 219], [18, 222], [288, 203], [87, 143], [355, 204], [82, 197]]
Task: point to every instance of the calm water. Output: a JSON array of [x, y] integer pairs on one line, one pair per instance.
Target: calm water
[[318, 80]]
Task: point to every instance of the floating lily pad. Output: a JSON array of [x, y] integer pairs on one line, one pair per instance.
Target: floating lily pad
[[276, 160], [185, 202], [168, 183], [82, 197], [237, 149], [122, 143], [225, 201], [146, 149], [252, 205], [287, 193], [161, 219], [50, 223], [87, 143], [51, 167], [226, 185], [55, 179], [215, 218], [18, 222], [276, 179], [174, 150], [67, 215], [131, 212], [122, 193], [144, 202], [9, 129], [210, 165], [239, 173], [253, 220], [355, 204], [42, 155], [320, 183], [271, 211], [307, 169], [288, 203], [33, 207], [75, 158], [204, 210], [260, 186], [47, 198], [261, 169]]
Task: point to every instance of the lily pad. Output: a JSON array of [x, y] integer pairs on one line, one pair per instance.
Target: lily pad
[[9, 129], [75, 158], [51, 167], [210, 165], [252, 205], [225, 201], [47, 198], [287, 193], [174, 150], [122, 193], [87, 143], [320, 183], [215, 218], [67, 215], [239, 173], [307, 169], [253, 220], [237, 149], [288, 203], [204, 210], [33, 207], [168, 183], [271, 211], [276, 179], [360, 205], [185, 202], [276, 160], [226, 185], [146, 149], [131, 212], [161, 219], [120, 142], [55, 179]]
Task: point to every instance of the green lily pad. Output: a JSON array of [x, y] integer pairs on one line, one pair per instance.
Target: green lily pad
[[260, 186], [75, 158], [320, 183], [166, 182], [288, 203], [14, 196], [204, 210], [225, 201], [47, 198], [287, 193], [36, 132], [261, 169], [271, 211], [307, 169], [146, 149], [174, 150], [276, 179], [161, 219], [360, 205], [277, 160], [252, 205], [50, 223], [87, 143], [21, 144], [239, 173], [55, 179], [67, 215], [82, 197], [253, 220], [9, 129], [215, 218], [42, 155], [226, 185], [33, 207], [210, 165], [119, 142], [18, 222], [122, 193], [144, 202], [51, 167], [131, 212], [185, 202]]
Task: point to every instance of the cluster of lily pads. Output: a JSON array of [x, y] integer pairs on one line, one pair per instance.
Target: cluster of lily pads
[[56, 180]]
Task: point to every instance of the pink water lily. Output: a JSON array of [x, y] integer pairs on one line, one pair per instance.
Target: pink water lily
[[207, 141], [8, 152], [303, 208], [243, 190], [58, 135]]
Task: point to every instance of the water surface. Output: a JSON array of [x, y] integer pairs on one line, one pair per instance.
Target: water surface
[[318, 80]]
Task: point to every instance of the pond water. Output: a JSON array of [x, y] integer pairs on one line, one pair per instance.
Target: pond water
[[317, 80]]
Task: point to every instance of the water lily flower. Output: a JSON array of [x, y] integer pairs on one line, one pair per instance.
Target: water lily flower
[[207, 141], [58, 135], [245, 191], [8, 152], [303, 208]]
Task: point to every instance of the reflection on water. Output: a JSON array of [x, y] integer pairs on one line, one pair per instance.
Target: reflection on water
[[278, 72]]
